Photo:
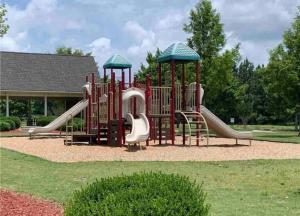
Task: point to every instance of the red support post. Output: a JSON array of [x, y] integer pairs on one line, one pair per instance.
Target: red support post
[[160, 104], [123, 79], [104, 77], [172, 107], [86, 110], [129, 78], [98, 117], [147, 96], [197, 97], [90, 114], [183, 102], [108, 117], [93, 88], [113, 86], [134, 99], [120, 121], [93, 101]]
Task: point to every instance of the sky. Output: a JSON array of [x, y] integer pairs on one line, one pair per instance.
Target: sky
[[134, 27]]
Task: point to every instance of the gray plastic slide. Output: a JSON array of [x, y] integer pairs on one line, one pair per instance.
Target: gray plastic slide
[[220, 128], [72, 112]]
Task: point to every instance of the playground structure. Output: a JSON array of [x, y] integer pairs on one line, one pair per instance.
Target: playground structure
[[149, 112]]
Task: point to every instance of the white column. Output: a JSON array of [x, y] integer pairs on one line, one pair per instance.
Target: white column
[[45, 105], [7, 105]]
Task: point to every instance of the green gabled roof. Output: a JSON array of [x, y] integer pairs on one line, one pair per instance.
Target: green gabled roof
[[178, 51], [117, 61]]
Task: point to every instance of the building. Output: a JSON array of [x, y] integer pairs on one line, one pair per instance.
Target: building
[[46, 84]]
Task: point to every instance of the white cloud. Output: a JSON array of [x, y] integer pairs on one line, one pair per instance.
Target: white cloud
[[145, 40], [73, 25], [9, 44], [171, 21], [101, 43], [101, 49], [136, 30]]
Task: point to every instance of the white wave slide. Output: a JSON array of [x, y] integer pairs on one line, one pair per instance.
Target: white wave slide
[[140, 126]]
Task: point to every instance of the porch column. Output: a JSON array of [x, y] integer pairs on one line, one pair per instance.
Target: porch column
[[45, 105], [7, 105]]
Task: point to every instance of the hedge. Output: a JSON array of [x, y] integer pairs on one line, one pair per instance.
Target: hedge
[[139, 194], [45, 120], [13, 122], [4, 126]]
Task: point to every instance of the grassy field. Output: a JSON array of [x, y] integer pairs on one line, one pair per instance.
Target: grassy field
[[257, 187], [277, 133]]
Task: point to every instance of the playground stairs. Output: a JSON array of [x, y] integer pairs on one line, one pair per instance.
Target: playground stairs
[[197, 128]]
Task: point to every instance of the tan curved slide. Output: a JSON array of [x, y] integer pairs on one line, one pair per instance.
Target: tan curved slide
[[72, 112], [220, 128]]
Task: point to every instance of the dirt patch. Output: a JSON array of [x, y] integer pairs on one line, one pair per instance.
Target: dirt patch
[[13, 204], [220, 149]]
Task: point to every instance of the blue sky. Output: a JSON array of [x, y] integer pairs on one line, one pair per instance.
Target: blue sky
[[133, 27]]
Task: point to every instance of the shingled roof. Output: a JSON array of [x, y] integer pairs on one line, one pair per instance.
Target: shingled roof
[[117, 61], [34, 72], [179, 51]]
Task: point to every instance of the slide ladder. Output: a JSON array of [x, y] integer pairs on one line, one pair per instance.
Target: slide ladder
[[196, 125]]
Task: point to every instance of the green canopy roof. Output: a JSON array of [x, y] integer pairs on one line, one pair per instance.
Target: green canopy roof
[[179, 51], [117, 61]]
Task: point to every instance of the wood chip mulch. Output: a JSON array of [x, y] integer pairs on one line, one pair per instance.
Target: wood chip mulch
[[13, 204]]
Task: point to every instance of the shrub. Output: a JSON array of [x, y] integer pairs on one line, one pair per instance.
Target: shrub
[[139, 194], [77, 124], [14, 121], [11, 123], [44, 120], [4, 126]]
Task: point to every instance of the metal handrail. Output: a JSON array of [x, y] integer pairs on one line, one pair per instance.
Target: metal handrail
[[185, 114]]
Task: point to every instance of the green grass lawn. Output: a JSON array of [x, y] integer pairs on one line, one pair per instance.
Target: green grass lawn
[[257, 187], [277, 133]]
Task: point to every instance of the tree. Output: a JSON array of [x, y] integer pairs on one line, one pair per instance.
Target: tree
[[207, 36], [3, 26], [62, 50], [282, 76], [208, 39], [151, 68]]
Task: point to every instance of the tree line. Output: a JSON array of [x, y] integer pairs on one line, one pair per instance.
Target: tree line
[[233, 86]]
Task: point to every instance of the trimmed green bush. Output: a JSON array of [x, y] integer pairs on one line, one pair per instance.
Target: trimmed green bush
[[4, 126], [77, 125], [11, 123], [44, 120], [139, 194], [14, 121], [17, 121]]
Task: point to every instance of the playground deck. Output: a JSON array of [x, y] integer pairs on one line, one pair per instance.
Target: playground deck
[[53, 149]]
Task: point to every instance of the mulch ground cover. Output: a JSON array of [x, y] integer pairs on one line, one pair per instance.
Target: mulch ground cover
[[13, 204]]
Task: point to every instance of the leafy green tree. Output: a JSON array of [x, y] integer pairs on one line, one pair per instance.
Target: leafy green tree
[[69, 51], [207, 37], [204, 25], [151, 68], [221, 84], [3, 26], [282, 76]]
